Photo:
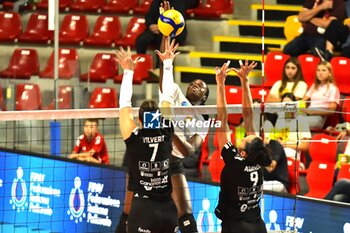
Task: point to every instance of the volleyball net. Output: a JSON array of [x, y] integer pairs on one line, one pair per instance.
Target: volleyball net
[[42, 189]]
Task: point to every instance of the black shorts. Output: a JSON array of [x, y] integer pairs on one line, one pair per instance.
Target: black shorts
[[243, 226], [152, 216], [176, 166]]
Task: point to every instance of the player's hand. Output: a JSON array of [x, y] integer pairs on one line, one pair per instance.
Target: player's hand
[[164, 6], [243, 72], [125, 60], [170, 50], [221, 73]]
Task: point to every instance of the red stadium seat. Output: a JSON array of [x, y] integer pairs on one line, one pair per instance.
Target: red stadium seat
[[293, 174], [144, 64], [323, 148], [143, 7], [43, 4], [103, 67], [341, 67], [103, 97], [309, 64], [135, 27], [346, 109], [28, 97], [258, 92], [65, 98], [212, 9], [68, 66], [344, 172], [119, 6], [10, 26], [319, 178], [107, 29], [24, 63], [233, 96], [274, 65], [37, 30], [86, 5], [74, 29]]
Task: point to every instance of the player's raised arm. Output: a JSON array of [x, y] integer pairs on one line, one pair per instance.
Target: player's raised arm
[[167, 57], [247, 103], [221, 74], [126, 120]]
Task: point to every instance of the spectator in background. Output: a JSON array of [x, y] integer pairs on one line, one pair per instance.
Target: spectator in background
[[152, 35], [289, 128], [276, 175], [323, 97], [292, 81], [340, 191], [90, 146], [317, 17]]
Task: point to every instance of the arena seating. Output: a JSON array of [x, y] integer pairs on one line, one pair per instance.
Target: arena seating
[[319, 178], [293, 174], [119, 6], [346, 109], [323, 148], [74, 29], [63, 4], [86, 5], [28, 96], [341, 67], [135, 27], [68, 64], [23, 64], [103, 67], [212, 9], [107, 29], [143, 7], [292, 27], [103, 97], [37, 30], [142, 67], [274, 65], [10, 26], [233, 96], [65, 98], [309, 64], [344, 172]]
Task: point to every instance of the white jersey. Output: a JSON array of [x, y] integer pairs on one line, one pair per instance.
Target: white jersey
[[185, 131]]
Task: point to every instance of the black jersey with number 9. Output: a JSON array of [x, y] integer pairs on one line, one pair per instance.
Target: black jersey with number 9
[[241, 186]]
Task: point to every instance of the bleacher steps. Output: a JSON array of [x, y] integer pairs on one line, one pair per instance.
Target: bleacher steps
[[245, 44], [272, 29], [276, 12]]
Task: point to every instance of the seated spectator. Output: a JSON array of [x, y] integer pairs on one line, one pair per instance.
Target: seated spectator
[[152, 35], [292, 81], [340, 191], [291, 130], [323, 97], [335, 35], [322, 21], [90, 146], [276, 175]]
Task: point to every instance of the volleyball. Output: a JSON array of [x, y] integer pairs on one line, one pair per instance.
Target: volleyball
[[171, 23]]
